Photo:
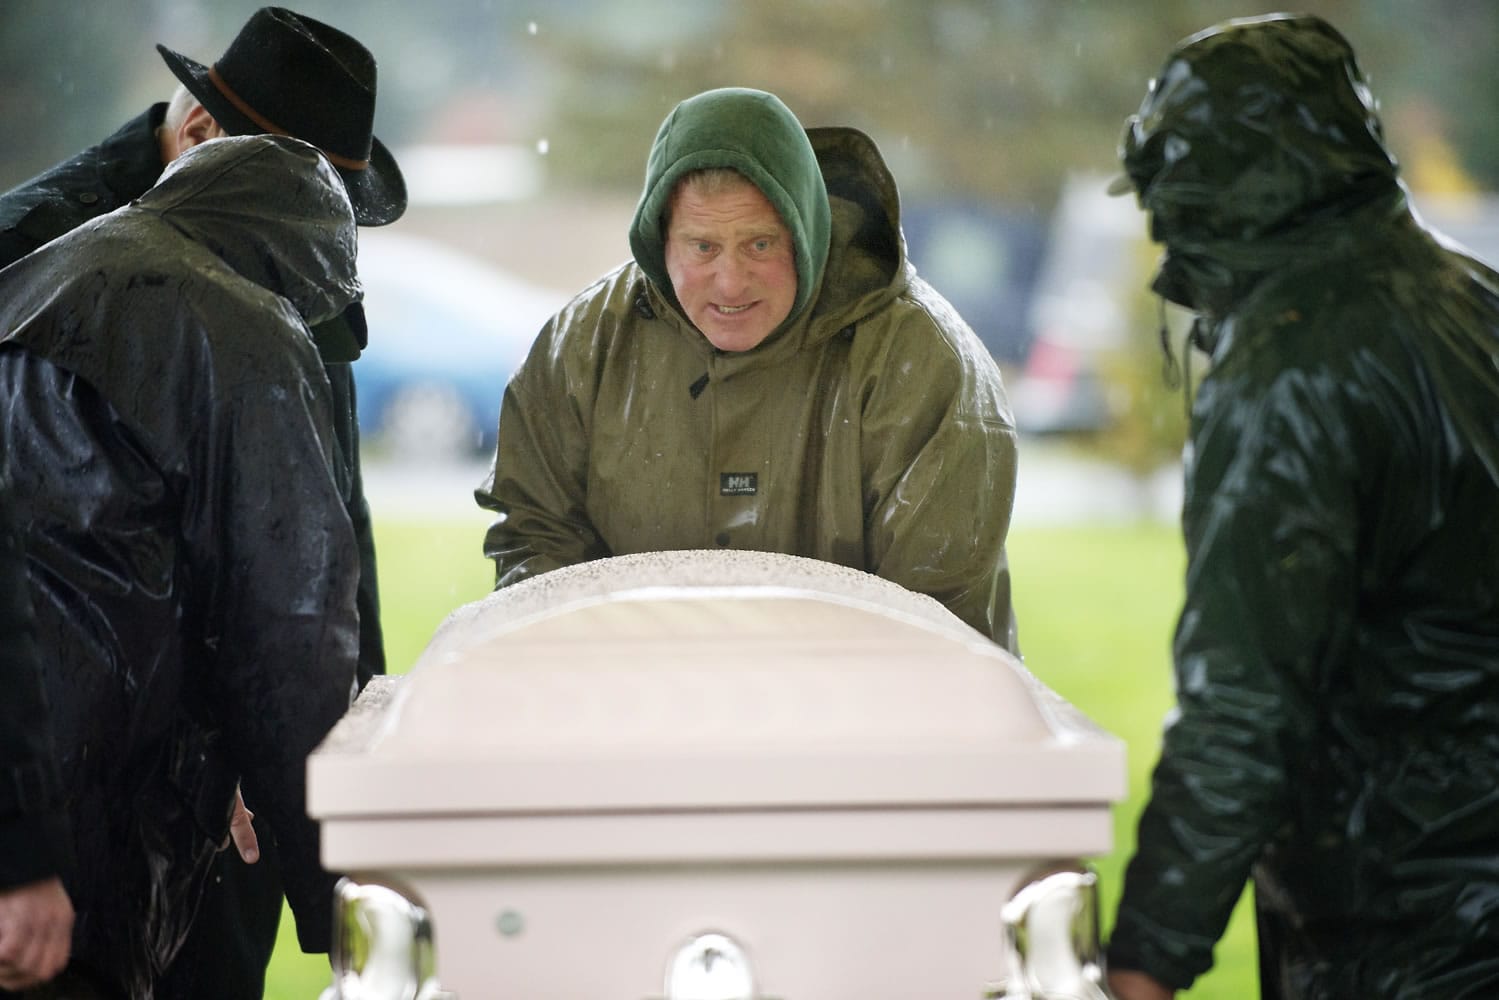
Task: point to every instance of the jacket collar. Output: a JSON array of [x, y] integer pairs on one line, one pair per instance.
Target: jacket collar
[[130, 159]]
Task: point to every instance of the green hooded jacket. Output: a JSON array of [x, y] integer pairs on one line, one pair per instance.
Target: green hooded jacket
[[871, 429], [1337, 657]]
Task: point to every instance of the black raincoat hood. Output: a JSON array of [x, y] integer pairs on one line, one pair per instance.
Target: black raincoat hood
[[1253, 129], [274, 210], [1258, 150]]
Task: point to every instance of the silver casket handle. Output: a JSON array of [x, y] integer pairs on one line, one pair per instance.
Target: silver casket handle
[[1051, 940], [1051, 944], [710, 966]]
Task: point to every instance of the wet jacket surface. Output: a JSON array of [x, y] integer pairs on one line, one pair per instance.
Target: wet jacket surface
[[120, 169], [167, 429], [100, 179], [33, 826], [870, 430], [1337, 658]]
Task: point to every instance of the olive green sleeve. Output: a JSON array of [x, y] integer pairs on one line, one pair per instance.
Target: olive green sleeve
[[940, 467], [538, 482]]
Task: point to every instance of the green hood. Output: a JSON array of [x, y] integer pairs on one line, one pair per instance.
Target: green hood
[[757, 135]]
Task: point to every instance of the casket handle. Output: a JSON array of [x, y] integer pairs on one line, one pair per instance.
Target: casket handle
[[710, 965], [1051, 940]]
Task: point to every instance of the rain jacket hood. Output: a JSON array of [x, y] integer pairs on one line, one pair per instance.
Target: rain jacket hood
[[1259, 150], [168, 430], [1252, 132], [269, 210], [1337, 655], [872, 430], [260, 209], [754, 133]]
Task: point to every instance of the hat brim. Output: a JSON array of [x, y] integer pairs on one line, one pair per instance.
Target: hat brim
[[378, 192]]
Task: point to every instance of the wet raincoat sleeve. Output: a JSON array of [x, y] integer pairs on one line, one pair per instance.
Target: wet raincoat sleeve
[[33, 827], [278, 564], [539, 481], [940, 470], [1271, 522]]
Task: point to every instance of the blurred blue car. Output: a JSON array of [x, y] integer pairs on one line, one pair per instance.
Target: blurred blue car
[[984, 258], [446, 332]]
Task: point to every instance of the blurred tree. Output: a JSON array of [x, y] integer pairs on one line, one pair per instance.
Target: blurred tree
[[993, 98], [1455, 64], [987, 98]]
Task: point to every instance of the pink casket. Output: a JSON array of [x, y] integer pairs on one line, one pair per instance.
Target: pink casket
[[708, 775]]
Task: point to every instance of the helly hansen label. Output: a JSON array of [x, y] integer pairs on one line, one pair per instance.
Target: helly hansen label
[[738, 484]]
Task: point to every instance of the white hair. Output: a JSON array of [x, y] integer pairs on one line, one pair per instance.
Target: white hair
[[178, 107]]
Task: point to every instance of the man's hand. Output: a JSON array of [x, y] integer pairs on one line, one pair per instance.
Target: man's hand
[[1126, 984], [36, 933], [241, 832]]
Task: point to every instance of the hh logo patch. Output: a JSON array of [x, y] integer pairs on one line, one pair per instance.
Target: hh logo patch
[[738, 484]]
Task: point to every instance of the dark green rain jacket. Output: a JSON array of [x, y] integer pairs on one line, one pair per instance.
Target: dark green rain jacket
[[1337, 659], [871, 429]]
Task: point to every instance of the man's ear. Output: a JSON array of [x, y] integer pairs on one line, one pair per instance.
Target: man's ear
[[199, 126]]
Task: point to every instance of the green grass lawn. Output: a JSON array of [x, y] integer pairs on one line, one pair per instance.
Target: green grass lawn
[[1096, 606]]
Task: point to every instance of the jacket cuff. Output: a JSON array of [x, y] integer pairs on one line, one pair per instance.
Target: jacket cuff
[[1138, 954], [34, 847]]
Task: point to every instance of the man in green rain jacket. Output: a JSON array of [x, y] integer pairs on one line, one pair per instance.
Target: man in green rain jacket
[[769, 373], [1337, 660]]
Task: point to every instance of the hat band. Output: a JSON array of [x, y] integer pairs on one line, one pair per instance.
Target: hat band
[[272, 127]]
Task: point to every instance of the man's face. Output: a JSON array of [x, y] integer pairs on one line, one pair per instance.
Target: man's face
[[731, 263]]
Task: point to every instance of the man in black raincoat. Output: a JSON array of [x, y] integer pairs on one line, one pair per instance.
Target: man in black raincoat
[[1337, 660], [167, 428], [287, 74], [36, 917]]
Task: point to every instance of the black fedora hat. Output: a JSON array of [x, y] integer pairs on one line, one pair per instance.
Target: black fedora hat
[[290, 75]]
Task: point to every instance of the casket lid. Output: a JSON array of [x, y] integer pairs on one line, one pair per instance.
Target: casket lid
[[708, 680]]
